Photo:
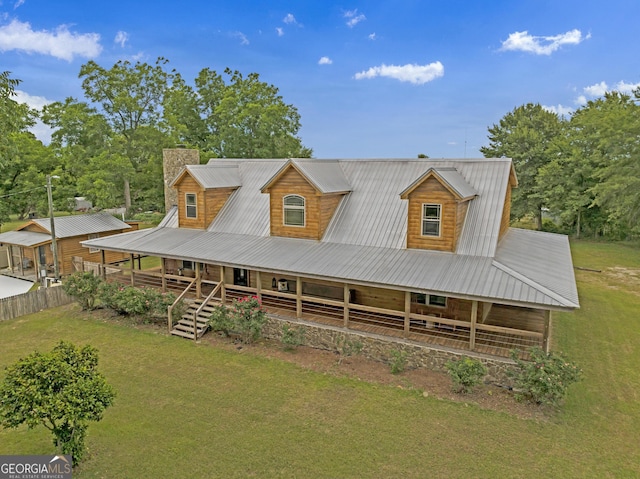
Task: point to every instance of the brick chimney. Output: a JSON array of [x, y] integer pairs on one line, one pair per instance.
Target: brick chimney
[[173, 160]]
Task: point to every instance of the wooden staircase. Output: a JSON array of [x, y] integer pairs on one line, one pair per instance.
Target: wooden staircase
[[184, 327]]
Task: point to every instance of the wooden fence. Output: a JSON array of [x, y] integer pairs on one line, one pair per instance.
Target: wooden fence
[[32, 302]]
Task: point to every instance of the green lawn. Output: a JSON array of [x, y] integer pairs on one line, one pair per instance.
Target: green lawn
[[186, 410]]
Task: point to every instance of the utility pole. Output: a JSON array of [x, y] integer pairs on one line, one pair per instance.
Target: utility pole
[[54, 245]]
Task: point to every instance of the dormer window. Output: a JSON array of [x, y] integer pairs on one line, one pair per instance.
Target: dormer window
[[191, 206], [431, 219], [293, 210]]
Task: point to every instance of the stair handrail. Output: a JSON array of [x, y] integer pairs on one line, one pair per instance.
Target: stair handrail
[[199, 310], [178, 299]]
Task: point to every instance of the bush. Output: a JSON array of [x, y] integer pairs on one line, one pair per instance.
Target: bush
[[249, 318], [466, 373], [544, 379], [348, 347], [128, 300], [398, 361], [83, 287], [221, 320], [245, 318], [291, 337]]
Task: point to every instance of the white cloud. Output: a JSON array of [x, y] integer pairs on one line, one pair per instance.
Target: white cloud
[[627, 88], [60, 43], [599, 89], [18, 4], [279, 31], [40, 130], [325, 61], [121, 38], [372, 36], [540, 45], [354, 17], [243, 38], [289, 19], [560, 110], [416, 74], [580, 100]]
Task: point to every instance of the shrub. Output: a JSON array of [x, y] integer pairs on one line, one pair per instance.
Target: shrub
[[348, 347], [83, 287], [248, 318], [398, 361], [128, 300], [291, 337], [544, 379], [221, 320], [466, 373]]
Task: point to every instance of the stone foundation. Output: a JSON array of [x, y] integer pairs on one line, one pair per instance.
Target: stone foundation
[[380, 348]]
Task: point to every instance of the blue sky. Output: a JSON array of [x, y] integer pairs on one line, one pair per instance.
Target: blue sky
[[376, 79]]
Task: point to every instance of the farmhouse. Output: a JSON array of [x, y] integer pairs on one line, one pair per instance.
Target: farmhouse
[[30, 248], [419, 248]]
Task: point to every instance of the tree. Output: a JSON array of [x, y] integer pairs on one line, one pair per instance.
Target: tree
[[131, 99], [244, 118], [14, 117], [60, 390], [526, 135]]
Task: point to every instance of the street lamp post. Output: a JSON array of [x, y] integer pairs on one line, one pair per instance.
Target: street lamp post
[[54, 245]]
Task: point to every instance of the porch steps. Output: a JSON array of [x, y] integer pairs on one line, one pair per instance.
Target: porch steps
[[184, 326]]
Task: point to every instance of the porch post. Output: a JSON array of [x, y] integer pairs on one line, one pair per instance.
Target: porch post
[[474, 320], [131, 268], [223, 290], [407, 312], [259, 287], [163, 271], [198, 282], [346, 305], [22, 262], [103, 260], [547, 331], [36, 264], [298, 297]]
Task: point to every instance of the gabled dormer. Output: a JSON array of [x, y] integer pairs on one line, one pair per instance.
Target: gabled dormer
[[303, 196], [438, 202], [202, 191]]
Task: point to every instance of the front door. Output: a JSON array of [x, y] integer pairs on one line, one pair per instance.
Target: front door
[[240, 277]]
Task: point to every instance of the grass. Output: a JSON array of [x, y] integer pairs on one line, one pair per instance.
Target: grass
[[186, 410]]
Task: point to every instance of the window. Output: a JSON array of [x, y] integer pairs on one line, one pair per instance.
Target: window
[[293, 210], [431, 220], [187, 264], [429, 299], [94, 236], [192, 210]]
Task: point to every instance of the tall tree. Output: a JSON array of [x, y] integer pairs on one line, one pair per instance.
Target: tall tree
[[526, 135], [14, 117], [131, 99]]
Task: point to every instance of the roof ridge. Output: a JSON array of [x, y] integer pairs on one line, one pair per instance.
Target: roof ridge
[[533, 284]]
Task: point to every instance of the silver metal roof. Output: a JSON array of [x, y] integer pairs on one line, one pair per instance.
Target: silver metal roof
[[326, 175], [24, 238], [417, 270], [365, 240], [451, 179], [213, 176], [76, 225]]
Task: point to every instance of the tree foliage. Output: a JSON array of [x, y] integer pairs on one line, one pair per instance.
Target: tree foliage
[[61, 390]]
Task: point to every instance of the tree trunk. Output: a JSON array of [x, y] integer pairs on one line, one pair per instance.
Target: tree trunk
[[539, 219], [578, 225], [127, 195]]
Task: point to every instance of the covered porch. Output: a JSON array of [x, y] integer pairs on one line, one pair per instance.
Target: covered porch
[[446, 322]]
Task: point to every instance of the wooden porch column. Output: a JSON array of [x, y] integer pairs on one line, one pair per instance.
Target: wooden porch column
[[407, 312], [346, 305], [547, 332], [131, 268], [259, 287], [223, 290], [36, 264], [298, 297], [474, 320], [10, 256], [198, 281], [22, 263], [103, 260], [163, 271]]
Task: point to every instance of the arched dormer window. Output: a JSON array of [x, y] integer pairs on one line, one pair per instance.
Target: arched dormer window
[[293, 210]]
